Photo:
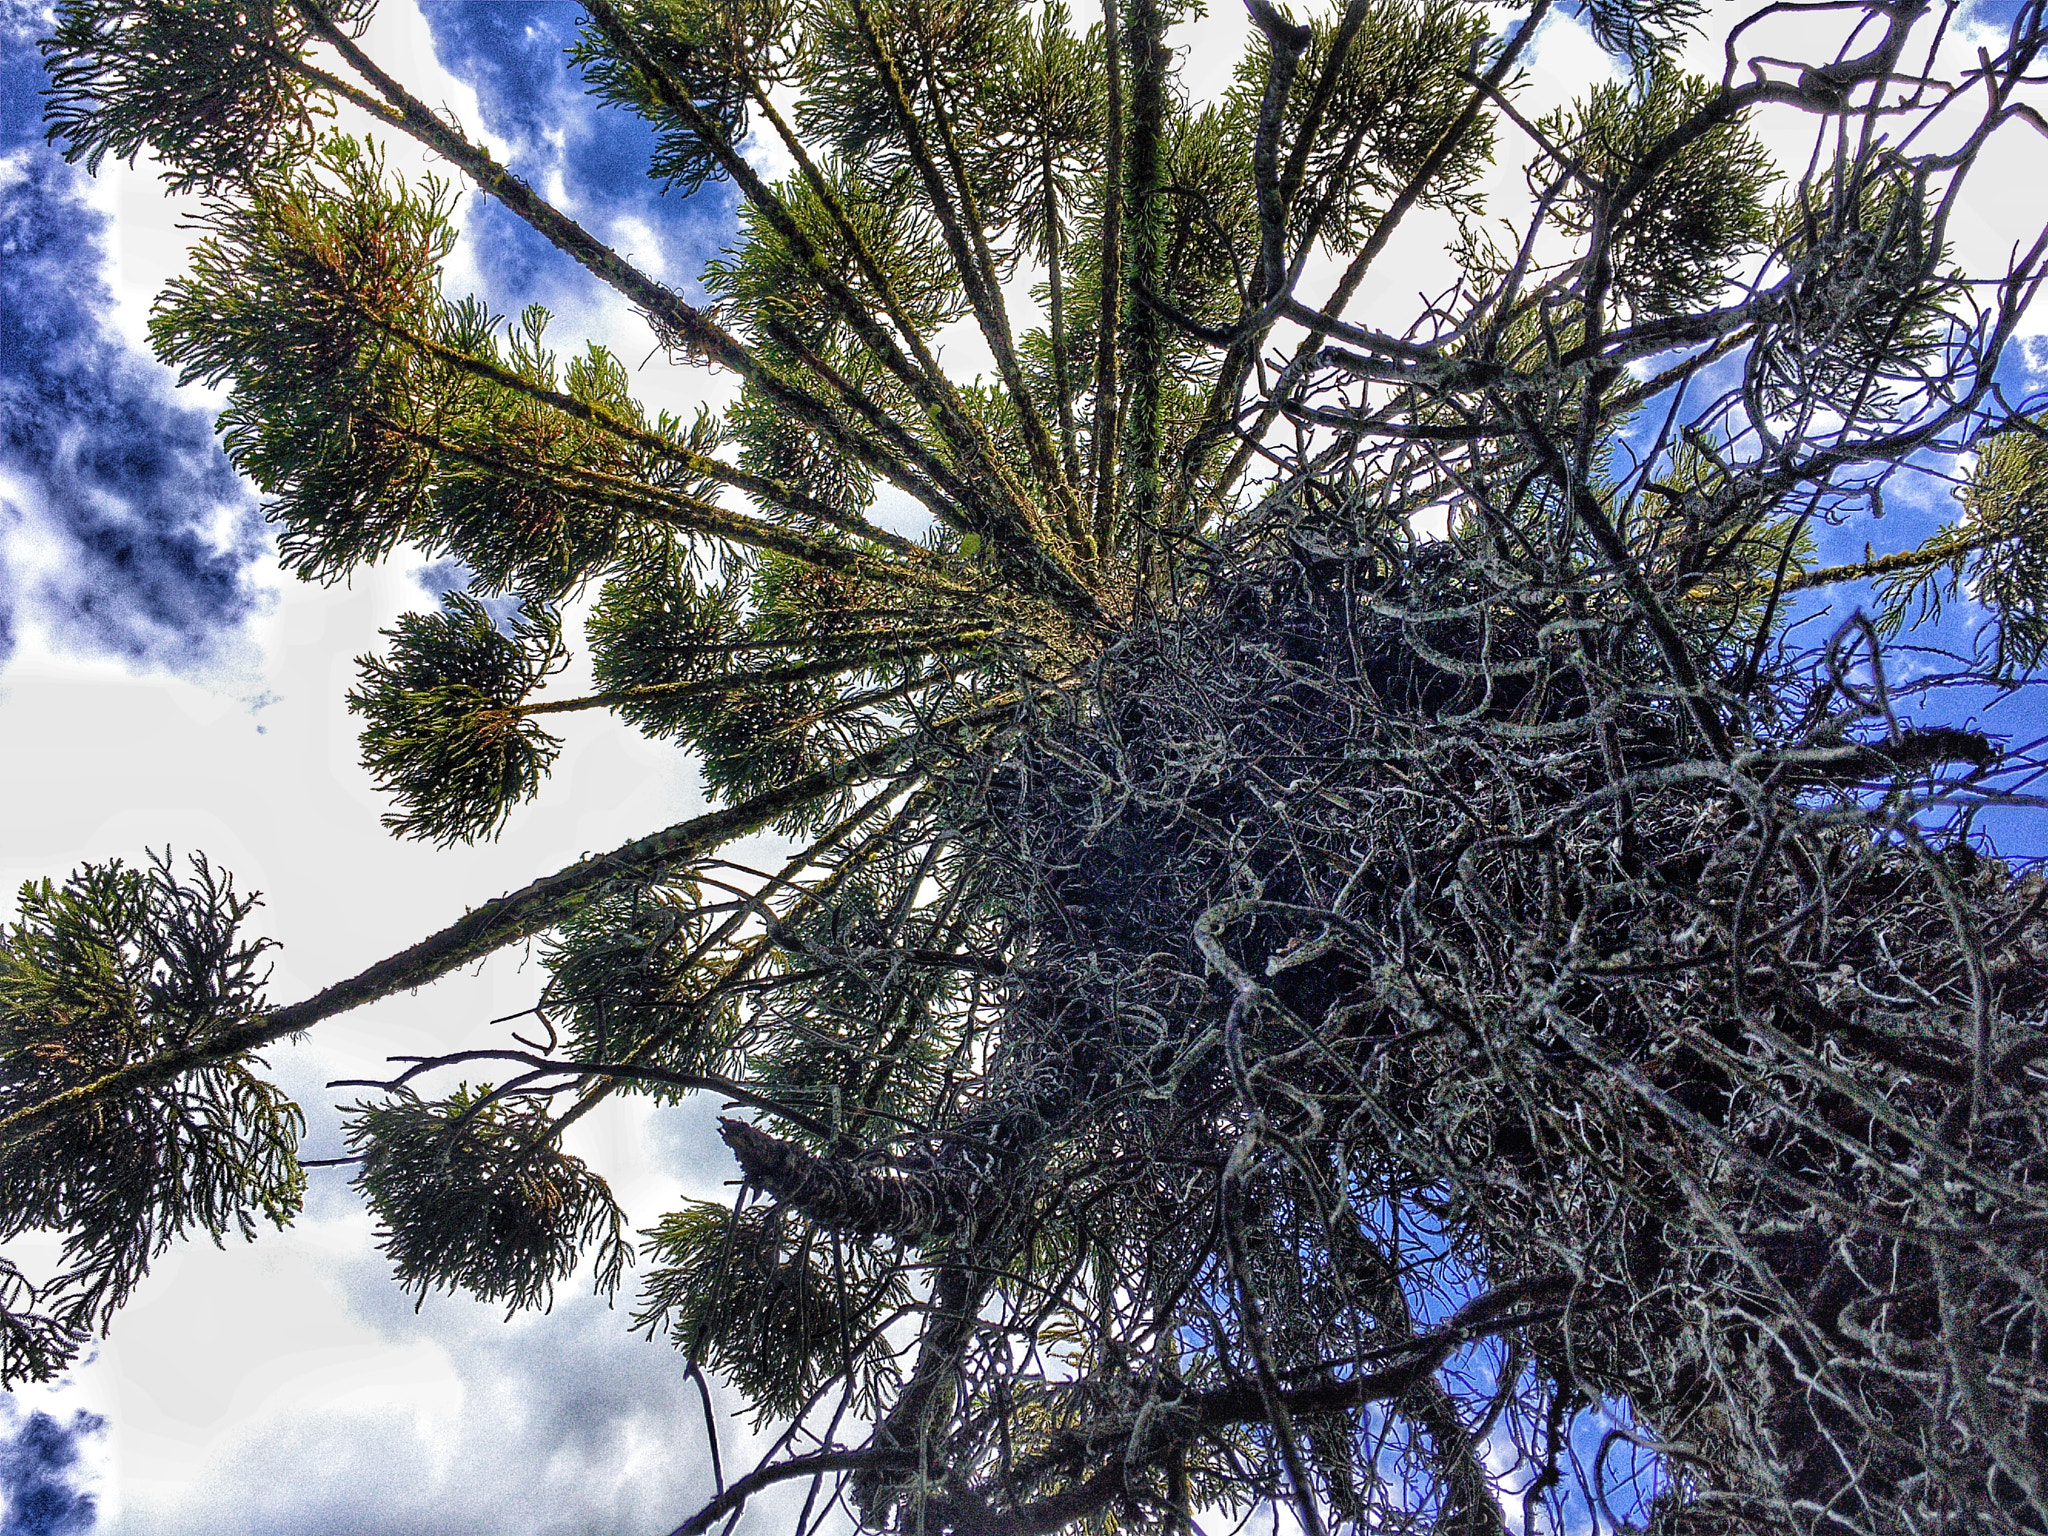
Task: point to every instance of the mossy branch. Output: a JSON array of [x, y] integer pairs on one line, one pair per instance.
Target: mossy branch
[[763, 487], [1929, 557], [927, 384], [680, 511], [521, 914], [803, 672], [1103, 475], [991, 313]]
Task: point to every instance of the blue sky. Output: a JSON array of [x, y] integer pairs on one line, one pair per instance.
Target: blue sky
[[510, 52], [43, 1486], [148, 534]]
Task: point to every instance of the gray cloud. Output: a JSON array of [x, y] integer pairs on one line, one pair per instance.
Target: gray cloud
[[566, 1425]]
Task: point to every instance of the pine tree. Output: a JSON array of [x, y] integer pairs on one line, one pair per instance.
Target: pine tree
[[1269, 1002]]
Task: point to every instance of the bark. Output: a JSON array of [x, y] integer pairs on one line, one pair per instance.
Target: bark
[[908, 1206]]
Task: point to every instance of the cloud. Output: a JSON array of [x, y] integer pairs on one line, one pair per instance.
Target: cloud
[[124, 531], [450, 1421], [40, 1472]]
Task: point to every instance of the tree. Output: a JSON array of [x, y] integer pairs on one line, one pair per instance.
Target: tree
[[1276, 999]]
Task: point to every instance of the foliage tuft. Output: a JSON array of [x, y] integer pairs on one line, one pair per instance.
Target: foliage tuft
[[474, 1195], [1700, 206], [444, 735], [116, 968], [634, 979], [206, 87], [779, 1309]]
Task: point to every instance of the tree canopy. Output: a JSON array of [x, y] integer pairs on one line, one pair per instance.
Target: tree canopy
[[1356, 939]]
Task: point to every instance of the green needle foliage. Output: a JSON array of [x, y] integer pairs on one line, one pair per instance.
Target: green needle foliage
[[444, 734], [778, 1308], [228, 65], [120, 966], [475, 1197], [2006, 534], [1348, 940], [626, 985], [1697, 210], [1995, 553]]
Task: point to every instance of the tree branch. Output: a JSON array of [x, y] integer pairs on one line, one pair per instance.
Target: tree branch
[[902, 1204], [522, 914], [816, 1464]]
